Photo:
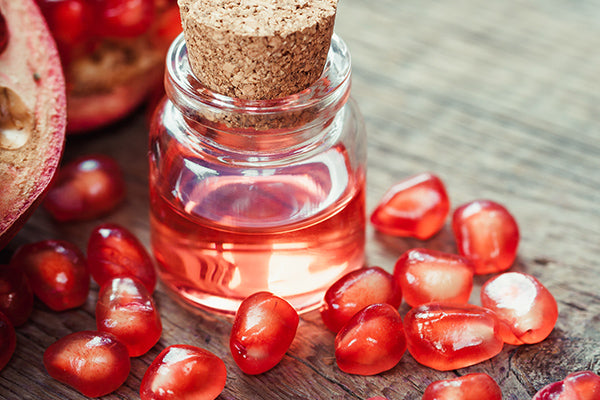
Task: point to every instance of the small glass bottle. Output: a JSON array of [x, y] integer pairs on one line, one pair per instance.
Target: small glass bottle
[[257, 195]]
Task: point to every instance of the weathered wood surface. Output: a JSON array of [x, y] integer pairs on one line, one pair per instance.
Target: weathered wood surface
[[502, 100]]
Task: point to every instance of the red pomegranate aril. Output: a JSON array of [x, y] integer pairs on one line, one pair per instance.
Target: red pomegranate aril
[[526, 308], [416, 207], [475, 386], [114, 251], [126, 309], [428, 275], [124, 18], [57, 272], [486, 233], [356, 290], [69, 20], [582, 385], [372, 342], [263, 330], [8, 340], [3, 33], [16, 296], [93, 363], [86, 188], [447, 336], [184, 372]]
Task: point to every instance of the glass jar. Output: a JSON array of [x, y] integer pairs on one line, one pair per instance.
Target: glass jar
[[257, 195]]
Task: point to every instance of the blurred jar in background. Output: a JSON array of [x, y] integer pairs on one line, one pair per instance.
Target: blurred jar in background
[[113, 54]]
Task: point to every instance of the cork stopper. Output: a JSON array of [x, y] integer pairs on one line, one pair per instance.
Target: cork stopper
[[257, 49]]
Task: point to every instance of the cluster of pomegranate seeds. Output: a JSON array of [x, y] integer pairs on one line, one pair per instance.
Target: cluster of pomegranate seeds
[[16, 297], [184, 372], [57, 272], [263, 330], [68, 20], [86, 188], [526, 309], [8, 340], [93, 363], [476, 386], [416, 207], [3, 33], [113, 251], [582, 385], [372, 341], [126, 309], [447, 336], [356, 290], [428, 275], [487, 234]]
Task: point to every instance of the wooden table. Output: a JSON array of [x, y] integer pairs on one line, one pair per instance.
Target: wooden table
[[501, 99]]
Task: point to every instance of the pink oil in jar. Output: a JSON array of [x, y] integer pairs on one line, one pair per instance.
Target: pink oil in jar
[[257, 195]]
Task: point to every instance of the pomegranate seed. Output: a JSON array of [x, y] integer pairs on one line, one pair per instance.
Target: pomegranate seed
[[113, 251], [428, 275], [3, 33], [57, 272], [416, 207], [86, 188], [16, 297], [126, 309], [69, 20], [582, 385], [93, 363], [447, 336], [184, 372], [262, 332], [124, 18], [476, 386], [372, 341], [524, 306], [8, 340], [487, 234], [356, 290]]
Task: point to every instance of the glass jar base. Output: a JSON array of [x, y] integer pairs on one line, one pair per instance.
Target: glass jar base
[[192, 296]]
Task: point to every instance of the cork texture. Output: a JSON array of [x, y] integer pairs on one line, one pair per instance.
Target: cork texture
[[257, 49]]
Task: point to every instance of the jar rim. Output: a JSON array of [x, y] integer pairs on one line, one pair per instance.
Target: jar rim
[[329, 89]]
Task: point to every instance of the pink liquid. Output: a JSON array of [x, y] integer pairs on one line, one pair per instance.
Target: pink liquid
[[292, 231]]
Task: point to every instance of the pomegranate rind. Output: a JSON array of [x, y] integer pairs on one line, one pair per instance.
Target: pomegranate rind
[[30, 69]]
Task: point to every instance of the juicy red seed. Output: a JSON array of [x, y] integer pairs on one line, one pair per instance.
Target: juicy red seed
[[372, 341], [113, 251], [447, 336], [263, 330], [8, 340], [93, 363], [356, 290], [184, 372], [16, 296], [57, 272], [523, 305], [126, 309], [86, 188], [124, 18], [416, 207], [428, 275], [582, 385], [476, 386], [3, 33], [68, 20], [486, 233]]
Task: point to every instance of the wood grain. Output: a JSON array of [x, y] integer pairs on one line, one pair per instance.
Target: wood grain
[[501, 100]]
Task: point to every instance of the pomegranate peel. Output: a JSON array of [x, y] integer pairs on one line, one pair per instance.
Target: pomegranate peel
[[32, 113]]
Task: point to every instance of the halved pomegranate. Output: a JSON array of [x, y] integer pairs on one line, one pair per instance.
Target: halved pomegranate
[[32, 112]]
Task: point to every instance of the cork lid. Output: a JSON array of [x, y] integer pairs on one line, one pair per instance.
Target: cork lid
[[257, 49]]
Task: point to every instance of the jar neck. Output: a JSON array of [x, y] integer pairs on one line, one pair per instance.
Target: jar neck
[[255, 125]]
